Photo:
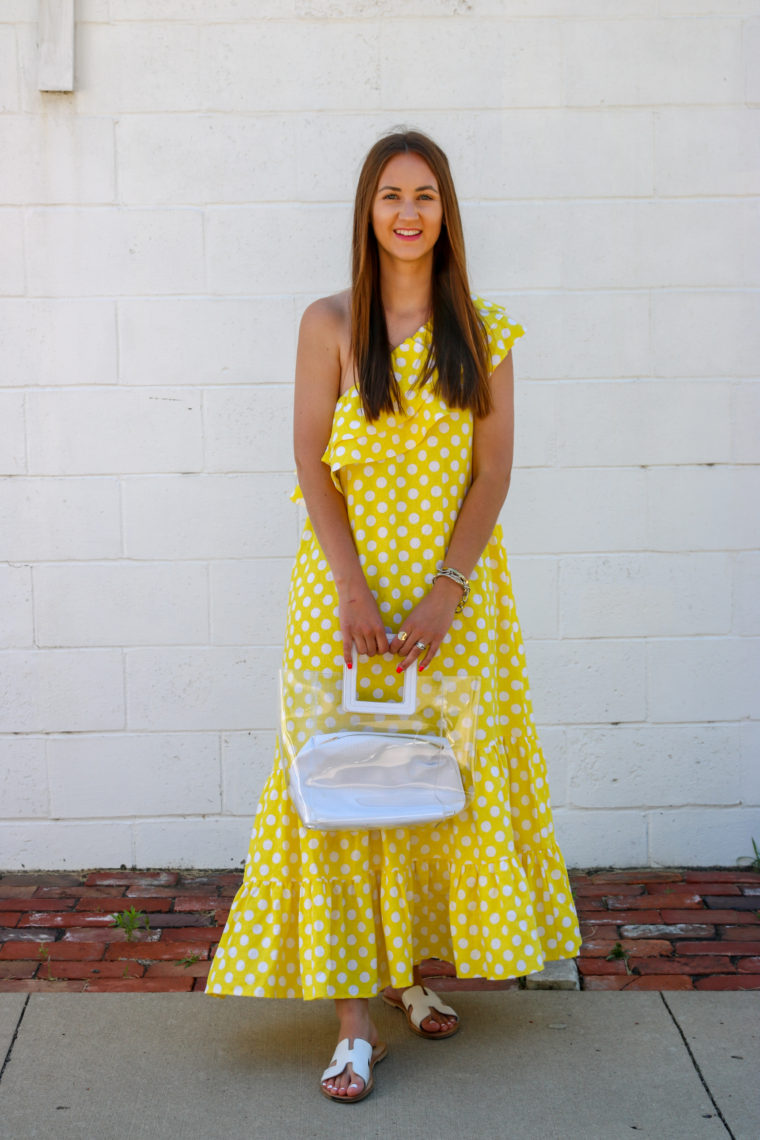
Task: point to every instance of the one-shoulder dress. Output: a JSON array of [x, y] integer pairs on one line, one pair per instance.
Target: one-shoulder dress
[[344, 914]]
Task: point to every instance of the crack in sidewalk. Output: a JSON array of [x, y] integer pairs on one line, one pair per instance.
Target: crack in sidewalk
[[699, 1073], [15, 1035]]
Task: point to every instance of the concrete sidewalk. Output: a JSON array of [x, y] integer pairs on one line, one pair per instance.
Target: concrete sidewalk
[[533, 1065]]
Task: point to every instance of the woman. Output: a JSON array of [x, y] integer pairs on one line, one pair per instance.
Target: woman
[[403, 442]]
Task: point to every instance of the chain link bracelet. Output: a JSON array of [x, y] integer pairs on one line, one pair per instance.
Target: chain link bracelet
[[450, 572]]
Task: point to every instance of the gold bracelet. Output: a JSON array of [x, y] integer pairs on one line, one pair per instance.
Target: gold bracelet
[[459, 578]]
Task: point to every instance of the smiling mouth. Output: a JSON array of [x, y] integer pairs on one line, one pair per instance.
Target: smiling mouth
[[407, 233]]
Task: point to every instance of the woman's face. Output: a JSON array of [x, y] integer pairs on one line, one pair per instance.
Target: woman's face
[[407, 213]]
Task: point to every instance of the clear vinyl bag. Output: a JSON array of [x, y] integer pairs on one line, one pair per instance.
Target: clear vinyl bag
[[358, 757]]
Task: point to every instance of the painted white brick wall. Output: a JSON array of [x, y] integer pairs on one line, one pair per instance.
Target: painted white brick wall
[[163, 227]]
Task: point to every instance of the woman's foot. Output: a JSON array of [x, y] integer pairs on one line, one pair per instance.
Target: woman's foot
[[436, 968], [355, 1021], [435, 1024]]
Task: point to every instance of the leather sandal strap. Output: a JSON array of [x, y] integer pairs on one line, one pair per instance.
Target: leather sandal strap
[[358, 1055], [421, 1002]]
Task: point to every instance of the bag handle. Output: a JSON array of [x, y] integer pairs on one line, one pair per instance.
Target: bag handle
[[352, 703]]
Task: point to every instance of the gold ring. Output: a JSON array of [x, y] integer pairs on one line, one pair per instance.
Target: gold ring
[[420, 645], [402, 635]]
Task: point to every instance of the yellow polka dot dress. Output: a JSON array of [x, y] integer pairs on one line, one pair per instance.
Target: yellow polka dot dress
[[343, 914]]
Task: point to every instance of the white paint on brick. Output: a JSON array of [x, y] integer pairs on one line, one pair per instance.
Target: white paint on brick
[[23, 781], [642, 422], [535, 424], [222, 11], [208, 516], [513, 245], [56, 160], [586, 682], [619, 244], [12, 244], [9, 90], [190, 688], [704, 679], [604, 61], [751, 46], [746, 586], [57, 342], [517, 153], [246, 253], [164, 226], [534, 584], [12, 449], [111, 251], [16, 619], [164, 57], [68, 845], [120, 603], [745, 416], [680, 838], [705, 8], [750, 750], [192, 842], [667, 765], [462, 8], [14, 10], [158, 158], [705, 333], [296, 65], [575, 341], [603, 838], [645, 595], [89, 11], [248, 429], [61, 690], [249, 600], [703, 508], [134, 775], [684, 135], [81, 431], [42, 519], [518, 64], [543, 513], [247, 759], [207, 340]]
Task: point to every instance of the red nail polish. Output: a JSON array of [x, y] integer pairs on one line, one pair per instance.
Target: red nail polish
[[421, 668], [399, 669], [349, 664]]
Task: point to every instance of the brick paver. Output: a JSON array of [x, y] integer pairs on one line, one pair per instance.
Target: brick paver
[[642, 930]]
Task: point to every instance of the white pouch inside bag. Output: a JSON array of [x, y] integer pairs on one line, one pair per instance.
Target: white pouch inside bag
[[359, 759]]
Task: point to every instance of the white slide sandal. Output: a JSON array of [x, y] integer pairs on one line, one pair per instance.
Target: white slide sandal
[[418, 1002], [362, 1057]]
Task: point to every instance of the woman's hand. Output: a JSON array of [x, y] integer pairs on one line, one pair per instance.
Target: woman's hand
[[428, 622], [360, 621]]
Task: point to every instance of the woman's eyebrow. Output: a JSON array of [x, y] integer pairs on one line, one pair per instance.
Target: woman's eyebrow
[[398, 189]]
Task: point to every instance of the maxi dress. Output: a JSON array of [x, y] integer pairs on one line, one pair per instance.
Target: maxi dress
[[344, 914]]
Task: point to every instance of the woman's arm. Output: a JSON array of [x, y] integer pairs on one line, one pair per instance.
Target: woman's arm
[[317, 387], [492, 451]]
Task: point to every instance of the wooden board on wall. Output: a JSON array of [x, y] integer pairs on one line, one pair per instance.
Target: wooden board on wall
[[56, 45]]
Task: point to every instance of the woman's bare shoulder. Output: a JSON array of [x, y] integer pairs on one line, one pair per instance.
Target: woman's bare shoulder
[[328, 318]]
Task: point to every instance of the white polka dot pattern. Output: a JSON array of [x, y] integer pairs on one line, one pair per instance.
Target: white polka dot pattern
[[343, 914]]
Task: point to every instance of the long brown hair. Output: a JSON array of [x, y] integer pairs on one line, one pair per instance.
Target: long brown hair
[[459, 347]]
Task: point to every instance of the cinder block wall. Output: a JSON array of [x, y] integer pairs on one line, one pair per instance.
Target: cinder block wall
[[163, 227]]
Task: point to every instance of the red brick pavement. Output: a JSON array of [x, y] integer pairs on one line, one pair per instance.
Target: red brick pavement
[[642, 930]]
